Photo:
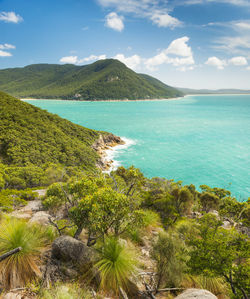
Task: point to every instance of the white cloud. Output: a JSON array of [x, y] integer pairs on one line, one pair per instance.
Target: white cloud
[[155, 10], [114, 21], [5, 54], [180, 47], [76, 60], [91, 58], [10, 17], [233, 2], [7, 47], [216, 62], [69, 59], [178, 53], [243, 25], [132, 61], [156, 60], [165, 20], [234, 44], [238, 61]]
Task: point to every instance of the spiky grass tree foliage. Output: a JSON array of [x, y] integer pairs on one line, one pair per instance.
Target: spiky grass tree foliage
[[22, 267], [116, 265]]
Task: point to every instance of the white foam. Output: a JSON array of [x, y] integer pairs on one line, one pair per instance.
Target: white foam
[[113, 152]]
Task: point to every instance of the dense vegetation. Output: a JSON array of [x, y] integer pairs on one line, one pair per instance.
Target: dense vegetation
[[133, 235], [36, 145], [102, 80]]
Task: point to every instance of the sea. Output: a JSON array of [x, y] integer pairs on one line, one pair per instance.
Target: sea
[[201, 139]]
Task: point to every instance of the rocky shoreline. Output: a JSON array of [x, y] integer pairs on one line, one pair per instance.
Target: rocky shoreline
[[102, 144]]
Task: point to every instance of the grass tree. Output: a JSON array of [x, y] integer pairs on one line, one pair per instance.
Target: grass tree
[[22, 267], [117, 264]]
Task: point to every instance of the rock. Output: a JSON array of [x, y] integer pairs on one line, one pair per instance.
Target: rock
[[67, 249], [41, 192], [226, 224], [215, 213], [41, 218], [196, 294], [32, 206], [21, 215], [12, 296], [243, 229], [195, 215]]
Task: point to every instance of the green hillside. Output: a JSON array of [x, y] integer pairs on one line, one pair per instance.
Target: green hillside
[[102, 80], [32, 136]]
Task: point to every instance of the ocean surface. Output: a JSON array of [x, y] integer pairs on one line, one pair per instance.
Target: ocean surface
[[197, 139]]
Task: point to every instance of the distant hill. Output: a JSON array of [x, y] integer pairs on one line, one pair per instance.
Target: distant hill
[[103, 80], [209, 91], [32, 136]]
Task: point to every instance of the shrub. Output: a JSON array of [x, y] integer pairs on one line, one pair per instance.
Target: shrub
[[22, 267], [117, 264], [65, 291]]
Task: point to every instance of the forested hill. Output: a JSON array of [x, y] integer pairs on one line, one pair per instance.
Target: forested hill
[[32, 136], [102, 80]]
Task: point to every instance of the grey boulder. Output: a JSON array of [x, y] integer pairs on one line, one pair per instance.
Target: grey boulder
[[196, 294]]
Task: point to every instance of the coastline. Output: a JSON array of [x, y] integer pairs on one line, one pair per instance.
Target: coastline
[[97, 101], [102, 145], [106, 147]]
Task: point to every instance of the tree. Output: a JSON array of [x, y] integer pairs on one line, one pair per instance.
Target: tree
[[219, 252], [22, 267], [170, 255], [116, 265], [209, 201], [105, 212]]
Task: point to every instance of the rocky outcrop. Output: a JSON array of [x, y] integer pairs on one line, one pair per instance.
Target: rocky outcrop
[[103, 143], [40, 218], [66, 248], [196, 294]]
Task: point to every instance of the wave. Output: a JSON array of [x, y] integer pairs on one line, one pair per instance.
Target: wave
[[113, 152]]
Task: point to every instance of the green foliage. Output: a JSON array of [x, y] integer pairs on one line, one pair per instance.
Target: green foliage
[[102, 80], [238, 211], [20, 268], [12, 199], [31, 136], [116, 265], [65, 291], [170, 255], [169, 199], [219, 252], [219, 192], [209, 201], [106, 212]]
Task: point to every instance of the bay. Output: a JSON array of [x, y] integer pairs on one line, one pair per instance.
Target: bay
[[197, 139]]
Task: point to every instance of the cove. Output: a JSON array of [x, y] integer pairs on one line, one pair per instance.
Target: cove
[[197, 139]]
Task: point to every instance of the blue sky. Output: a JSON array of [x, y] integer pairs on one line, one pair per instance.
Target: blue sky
[[185, 43]]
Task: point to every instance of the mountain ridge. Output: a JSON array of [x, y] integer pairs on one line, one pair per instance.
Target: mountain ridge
[[107, 79], [190, 91]]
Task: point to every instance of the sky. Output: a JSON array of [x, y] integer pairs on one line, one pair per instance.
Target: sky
[[184, 43]]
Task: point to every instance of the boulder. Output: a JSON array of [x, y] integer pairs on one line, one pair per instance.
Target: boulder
[[196, 294], [41, 218], [226, 224], [12, 295], [66, 248]]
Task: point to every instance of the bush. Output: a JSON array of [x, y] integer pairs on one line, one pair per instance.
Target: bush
[[117, 264], [65, 291], [20, 268]]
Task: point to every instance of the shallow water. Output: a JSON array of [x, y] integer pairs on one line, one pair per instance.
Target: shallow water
[[198, 139]]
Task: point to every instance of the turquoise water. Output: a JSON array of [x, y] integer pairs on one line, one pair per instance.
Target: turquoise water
[[198, 139]]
